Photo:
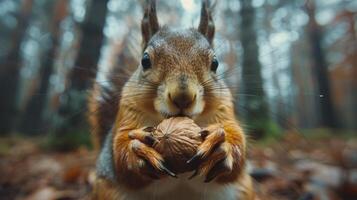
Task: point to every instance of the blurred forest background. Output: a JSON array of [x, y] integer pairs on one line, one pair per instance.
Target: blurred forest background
[[291, 64]]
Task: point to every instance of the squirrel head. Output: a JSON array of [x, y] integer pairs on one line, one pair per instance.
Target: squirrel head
[[180, 64]]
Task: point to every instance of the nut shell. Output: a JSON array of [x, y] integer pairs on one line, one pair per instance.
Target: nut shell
[[178, 139]]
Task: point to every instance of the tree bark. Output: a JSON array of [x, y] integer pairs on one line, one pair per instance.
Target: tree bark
[[255, 109], [10, 71], [32, 120], [320, 71], [73, 105]]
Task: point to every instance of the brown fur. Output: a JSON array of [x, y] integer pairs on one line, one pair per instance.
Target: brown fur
[[181, 63]]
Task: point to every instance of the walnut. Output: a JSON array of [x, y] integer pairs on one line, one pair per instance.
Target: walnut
[[178, 139]]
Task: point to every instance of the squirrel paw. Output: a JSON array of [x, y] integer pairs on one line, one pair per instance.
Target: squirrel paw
[[145, 159], [215, 156]]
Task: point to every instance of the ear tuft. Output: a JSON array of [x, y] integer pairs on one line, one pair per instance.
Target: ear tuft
[[149, 23], [206, 26]]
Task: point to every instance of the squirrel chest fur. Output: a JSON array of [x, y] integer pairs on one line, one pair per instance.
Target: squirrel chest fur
[[177, 77]]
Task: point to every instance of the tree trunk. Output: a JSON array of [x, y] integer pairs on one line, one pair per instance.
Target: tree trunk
[[320, 71], [32, 120], [73, 105], [255, 108], [10, 69]]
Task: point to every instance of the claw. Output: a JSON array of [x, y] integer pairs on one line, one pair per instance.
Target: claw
[[218, 169], [144, 135], [204, 134], [150, 170], [152, 158], [149, 140], [195, 173], [149, 129], [167, 171], [195, 160]]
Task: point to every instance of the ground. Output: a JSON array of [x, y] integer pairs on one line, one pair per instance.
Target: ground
[[293, 167]]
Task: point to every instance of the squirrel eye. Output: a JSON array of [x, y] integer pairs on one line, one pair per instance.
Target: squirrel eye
[[214, 64], [145, 61]]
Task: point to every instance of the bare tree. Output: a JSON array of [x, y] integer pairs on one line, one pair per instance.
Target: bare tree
[[255, 108], [73, 105], [32, 120], [320, 71], [10, 69]]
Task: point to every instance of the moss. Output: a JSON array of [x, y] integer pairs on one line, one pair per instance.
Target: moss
[[67, 141], [307, 134], [5, 147], [263, 129], [321, 133]]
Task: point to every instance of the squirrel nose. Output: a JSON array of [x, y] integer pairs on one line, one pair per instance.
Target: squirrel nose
[[182, 100]]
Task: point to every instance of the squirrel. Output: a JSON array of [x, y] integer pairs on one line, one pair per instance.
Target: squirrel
[[177, 76]]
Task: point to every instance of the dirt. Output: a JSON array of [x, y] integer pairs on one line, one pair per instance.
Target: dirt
[[292, 168]]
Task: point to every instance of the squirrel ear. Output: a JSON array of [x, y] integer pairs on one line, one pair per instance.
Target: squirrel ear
[[206, 26], [149, 23]]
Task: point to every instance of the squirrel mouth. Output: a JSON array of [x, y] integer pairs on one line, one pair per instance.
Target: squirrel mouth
[[180, 114]]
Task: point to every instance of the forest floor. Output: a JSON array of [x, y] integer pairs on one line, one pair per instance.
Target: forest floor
[[293, 167]]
